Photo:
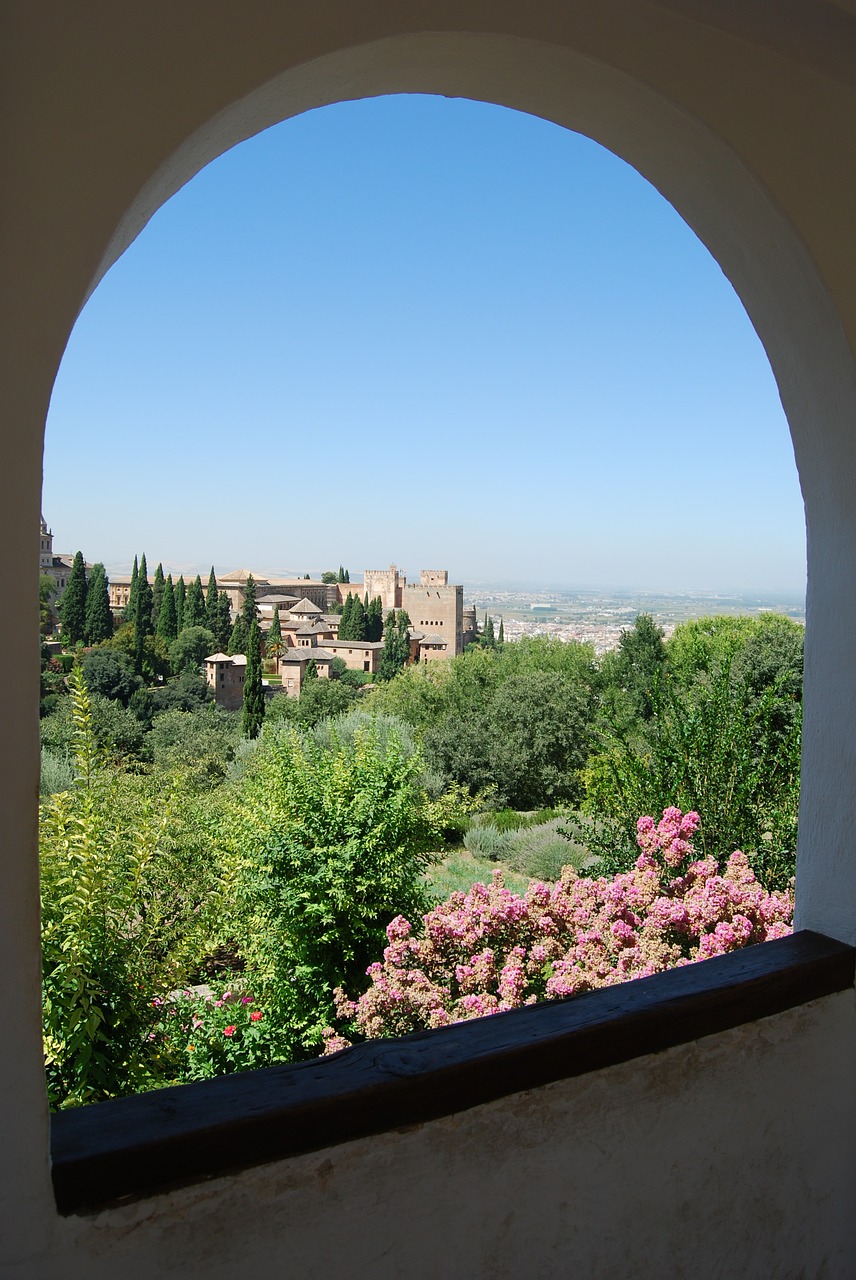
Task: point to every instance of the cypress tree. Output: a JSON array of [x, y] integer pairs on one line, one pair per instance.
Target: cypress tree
[[167, 625], [249, 609], [129, 612], [274, 636], [180, 597], [212, 603], [374, 619], [143, 608], [72, 606], [99, 619], [488, 636], [396, 645], [224, 619], [157, 595], [238, 638], [345, 632], [347, 575], [501, 639], [358, 620], [194, 605], [254, 698], [341, 577]]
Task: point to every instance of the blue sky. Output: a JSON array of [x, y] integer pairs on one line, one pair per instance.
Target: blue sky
[[432, 332]]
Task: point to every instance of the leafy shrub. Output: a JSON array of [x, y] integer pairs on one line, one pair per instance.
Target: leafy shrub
[[330, 840], [57, 772], [129, 893], [542, 850], [490, 950], [485, 841], [201, 1035]]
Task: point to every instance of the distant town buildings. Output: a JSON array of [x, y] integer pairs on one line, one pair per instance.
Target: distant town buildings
[[52, 564]]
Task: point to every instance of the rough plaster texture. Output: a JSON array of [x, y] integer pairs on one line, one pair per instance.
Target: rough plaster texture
[[742, 115], [711, 1159]]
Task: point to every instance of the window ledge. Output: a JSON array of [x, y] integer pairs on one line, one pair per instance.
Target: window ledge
[[151, 1143]]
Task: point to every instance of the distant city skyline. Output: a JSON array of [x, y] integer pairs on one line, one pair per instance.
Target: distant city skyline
[[435, 332]]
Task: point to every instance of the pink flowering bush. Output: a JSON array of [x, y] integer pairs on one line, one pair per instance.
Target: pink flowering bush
[[490, 949]]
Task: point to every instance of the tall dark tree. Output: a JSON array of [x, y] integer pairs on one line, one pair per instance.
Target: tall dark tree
[[374, 619], [142, 616], [157, 595], [194, 605], [358, 620], [180, 597], [167, 624], [346, 618], [212, 602], [488, 633], [72, 606], [249, 609], [223, 628], [341, 577], [273, 640], [501, 637], [99, 619], [129, 612], [254, 698], [237, 642], [396, 645]]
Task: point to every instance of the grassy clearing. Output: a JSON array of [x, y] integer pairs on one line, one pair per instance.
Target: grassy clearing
[[459, 871]]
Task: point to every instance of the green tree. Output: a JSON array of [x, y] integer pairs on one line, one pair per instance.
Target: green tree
[[129, 612], [249, 609], [501, 637], [47, 587], [396, 645], [194, 605], [374, 619], [345, 619], [238, 638], [323, 870], [142, 616], [254, 698], [212, 603], [273, 640], [72, 606], [223, 628], [341, 575], [180, 598], [191, 648], [488, 638], [167, 625], [99, 619], [158, 586], [329, 576], [110, 674], [358, 620]]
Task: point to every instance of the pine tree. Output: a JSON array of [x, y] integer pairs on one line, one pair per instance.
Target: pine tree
[[167, 624], [157, 595], [180, 597], [72, 606], [238, 638], [99, 619], [129, 612], [345, 632], [254, 698], [249, 609], [224, 619], [212, 603], [194, 605], [501, 639]]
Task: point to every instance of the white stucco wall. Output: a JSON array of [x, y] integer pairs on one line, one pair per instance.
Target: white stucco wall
[[743, 116], [711, 1159]]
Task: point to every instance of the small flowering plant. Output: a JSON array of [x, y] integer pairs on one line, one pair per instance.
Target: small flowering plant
[[214, 1033], [490, 949]]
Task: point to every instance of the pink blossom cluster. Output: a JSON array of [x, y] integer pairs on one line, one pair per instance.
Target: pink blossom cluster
[[490, 949]]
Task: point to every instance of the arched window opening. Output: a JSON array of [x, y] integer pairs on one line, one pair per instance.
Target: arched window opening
[[465, 336]]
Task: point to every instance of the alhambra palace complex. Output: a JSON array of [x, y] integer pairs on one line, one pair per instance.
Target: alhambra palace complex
[[440, 625]]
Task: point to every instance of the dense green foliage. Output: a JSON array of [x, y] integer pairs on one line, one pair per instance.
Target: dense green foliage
[[254, 699], [72, 605], [98, 624]]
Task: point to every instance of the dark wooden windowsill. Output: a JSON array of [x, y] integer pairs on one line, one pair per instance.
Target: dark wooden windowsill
[[151, 1143]]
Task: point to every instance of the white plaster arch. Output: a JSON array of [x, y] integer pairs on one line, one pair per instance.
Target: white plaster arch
[[721, 198], [744, 124]]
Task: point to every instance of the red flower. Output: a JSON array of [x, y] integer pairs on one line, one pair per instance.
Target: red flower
[[229, 1031], [254, 1017]]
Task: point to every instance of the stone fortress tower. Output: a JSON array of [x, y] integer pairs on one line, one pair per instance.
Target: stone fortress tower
[[436, 608]]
